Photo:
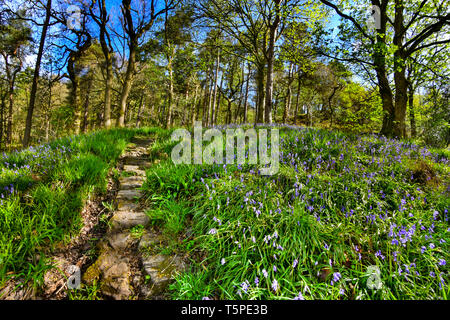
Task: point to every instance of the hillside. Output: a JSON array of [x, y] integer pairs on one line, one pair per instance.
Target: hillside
[[340, 207]]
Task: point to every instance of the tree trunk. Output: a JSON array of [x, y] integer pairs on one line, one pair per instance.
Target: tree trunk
[[299, 86], [246, 94], [260, 90], [383, 82], [241, 97], [49, 106], [170, 94], [29, 119], [287, 104], [216, 78], [229, 111], [10, 110], [107, 53], [412, 117], [84, 126], [141, 107], [108, 90], [219, 98], [128, 82], [208, 111], [206, 98], [270, 61], [193, 108], [74, 92], [2, 110], [401, 84]]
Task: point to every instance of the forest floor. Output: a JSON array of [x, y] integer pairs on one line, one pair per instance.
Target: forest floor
[[346, 217]]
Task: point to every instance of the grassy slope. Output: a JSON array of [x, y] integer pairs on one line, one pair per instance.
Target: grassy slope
[[43, 190], [339, 204]]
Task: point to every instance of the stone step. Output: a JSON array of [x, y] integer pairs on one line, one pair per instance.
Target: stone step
[[148, 240], [134, 169], [161, 269], [133, 182], [127, 219], [141, 164], [119, 241], [129, 194], [114, 272], [126, 205]]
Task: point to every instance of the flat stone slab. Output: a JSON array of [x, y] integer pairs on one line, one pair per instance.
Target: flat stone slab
[[121, 241], [148, 240], [133, 182], [139, 162], [113, 272], [130, 168], [129, 194], [126, 205], [161, 269], [128, 219], [136, 170]]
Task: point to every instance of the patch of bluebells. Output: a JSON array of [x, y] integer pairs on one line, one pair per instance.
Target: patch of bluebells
[[365, 161], [17, 167]]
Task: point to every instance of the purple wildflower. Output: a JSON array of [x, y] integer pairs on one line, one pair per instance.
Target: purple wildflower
[[275, 285]]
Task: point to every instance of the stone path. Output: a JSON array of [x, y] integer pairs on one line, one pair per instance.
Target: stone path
[[125, 267]]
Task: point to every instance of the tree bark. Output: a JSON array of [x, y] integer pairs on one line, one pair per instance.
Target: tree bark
[[11, 107], [171, 91], [412, 117], [287, 104], [401, 84], [270, 62], [105, 44], [84, 125], [2, 111], [383, 81], [74, 92], [299, 86], [219, 98], [208, 111], [29, 119], [127, 83], [193, 108], [260, 89], [216, 78], [246, 95], [141, 107]]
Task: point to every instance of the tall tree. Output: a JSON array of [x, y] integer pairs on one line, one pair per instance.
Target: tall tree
[[135, 26], [29, 119], [401, 28], [101, 19], [15, 35]]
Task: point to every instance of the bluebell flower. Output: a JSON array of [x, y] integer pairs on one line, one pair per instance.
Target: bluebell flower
[[275, 285]]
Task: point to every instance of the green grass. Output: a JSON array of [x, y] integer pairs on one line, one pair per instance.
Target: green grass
[[44, 189], [339, 204]]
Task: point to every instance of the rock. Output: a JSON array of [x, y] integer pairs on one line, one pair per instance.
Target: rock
[[116, 281], [161, 269], [126, 205], [132, 182], [128, 219], [121, 241], [113, 273], [141, 163], [130, 168], [129, 194], [148, 240], [134, 169]]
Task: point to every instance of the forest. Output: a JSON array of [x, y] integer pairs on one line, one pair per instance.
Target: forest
[[91, 91]]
